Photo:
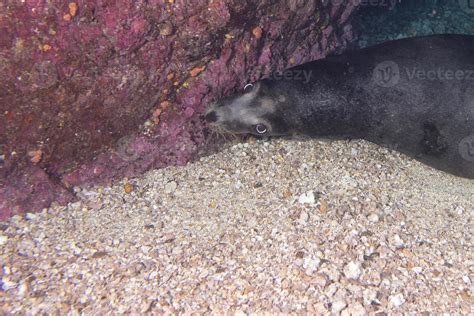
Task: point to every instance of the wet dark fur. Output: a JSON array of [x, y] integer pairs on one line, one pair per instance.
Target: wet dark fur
[[425, 119]]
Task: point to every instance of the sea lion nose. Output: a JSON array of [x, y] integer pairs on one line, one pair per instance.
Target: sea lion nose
[[211, 117]]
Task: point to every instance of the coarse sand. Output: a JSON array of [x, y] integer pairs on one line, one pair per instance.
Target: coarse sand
[[278, 226]]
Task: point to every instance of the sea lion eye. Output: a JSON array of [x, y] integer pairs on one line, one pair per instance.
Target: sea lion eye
[[261, 129], [248, 87]]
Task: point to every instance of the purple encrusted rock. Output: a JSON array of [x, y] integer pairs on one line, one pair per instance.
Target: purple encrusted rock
[[94, 90]]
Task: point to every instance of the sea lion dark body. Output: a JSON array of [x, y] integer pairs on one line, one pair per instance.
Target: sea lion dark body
[[414, 95]]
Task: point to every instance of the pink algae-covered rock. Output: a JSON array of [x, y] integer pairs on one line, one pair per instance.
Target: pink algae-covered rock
[[93, 90]]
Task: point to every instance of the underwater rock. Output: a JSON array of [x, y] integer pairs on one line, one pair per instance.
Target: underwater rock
[[95, 90]]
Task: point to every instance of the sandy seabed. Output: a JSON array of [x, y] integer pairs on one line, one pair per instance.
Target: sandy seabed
[[282, 227]]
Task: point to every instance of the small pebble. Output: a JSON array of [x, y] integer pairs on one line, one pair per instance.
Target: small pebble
[[369, 296], [307, 198], [324, 207], [3, 239], [397, 300], [311, 265], [417, 270], [23, 289], [374, 218], [337, 306], [321, 280], [320, 308], [466, 279], [352, 270], [170, 187], [7, 284], [304, 217], [30, 216], [356, 309], [396, 241], [128, 188]]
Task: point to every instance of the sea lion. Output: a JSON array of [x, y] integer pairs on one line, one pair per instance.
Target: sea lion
[[413, 95]]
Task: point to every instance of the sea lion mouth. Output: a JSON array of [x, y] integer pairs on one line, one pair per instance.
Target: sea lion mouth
[[220, 128]]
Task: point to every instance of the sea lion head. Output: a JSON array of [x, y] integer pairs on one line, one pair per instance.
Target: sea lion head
[[257, 110]]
